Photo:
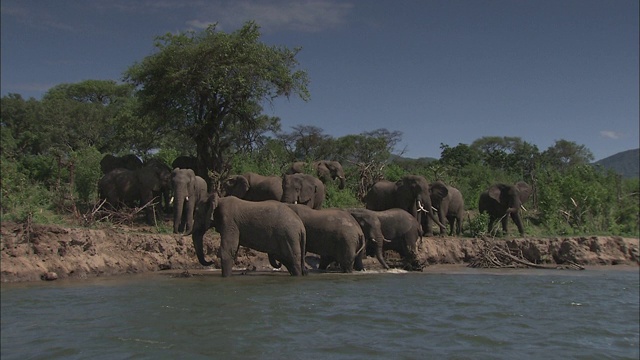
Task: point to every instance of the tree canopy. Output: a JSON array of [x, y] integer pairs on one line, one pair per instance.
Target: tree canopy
[[210, 87]]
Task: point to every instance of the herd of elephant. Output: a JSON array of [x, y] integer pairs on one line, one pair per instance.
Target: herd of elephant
[[283, 215]]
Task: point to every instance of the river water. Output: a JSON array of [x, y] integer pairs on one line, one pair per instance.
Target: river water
[[450, 314]]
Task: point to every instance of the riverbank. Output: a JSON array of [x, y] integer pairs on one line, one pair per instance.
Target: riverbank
[[40, 252]]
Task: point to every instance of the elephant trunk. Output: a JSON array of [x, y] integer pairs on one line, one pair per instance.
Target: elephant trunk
[[430, 213], [197, 238], [178, 207], [380, 252], [342, 183]]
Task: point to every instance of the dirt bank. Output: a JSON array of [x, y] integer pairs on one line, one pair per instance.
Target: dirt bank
[[40, 251]]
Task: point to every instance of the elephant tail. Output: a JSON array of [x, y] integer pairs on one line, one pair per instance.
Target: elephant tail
[[274, 262]]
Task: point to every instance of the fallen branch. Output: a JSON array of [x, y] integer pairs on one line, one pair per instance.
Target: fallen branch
[[497, 255]]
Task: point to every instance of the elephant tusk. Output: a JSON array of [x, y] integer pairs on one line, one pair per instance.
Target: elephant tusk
[[434, 209], [421, 208], [186, 198], [523, 208], [171, 201]]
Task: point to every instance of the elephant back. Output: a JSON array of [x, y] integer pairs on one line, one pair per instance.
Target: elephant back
[[380, 196], [129, 162]]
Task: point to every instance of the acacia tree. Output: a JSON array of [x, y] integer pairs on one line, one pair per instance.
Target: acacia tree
[[210, 86]]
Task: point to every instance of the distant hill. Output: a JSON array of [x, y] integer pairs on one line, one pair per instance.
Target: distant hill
[[626, 163]]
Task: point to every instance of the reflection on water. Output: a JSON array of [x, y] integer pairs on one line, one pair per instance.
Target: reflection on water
[[467, 314]]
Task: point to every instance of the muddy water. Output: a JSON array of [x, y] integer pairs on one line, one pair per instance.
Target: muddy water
[[461, 314]]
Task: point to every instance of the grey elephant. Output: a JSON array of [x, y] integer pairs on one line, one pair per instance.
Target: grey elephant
[[334, 235], [303, 189], [400, 232], [411, 193], [265, 226], [110, 162], [134, 187], [326, 171], [164, 172], [503, 200], [450, 209], [188, 190], [253, 187]]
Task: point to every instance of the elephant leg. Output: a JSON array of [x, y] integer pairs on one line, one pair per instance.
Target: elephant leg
[[293, 266], [229, 245], [492, 220], [325, 261], [380, 253], [518, 221], [426, 230], [357, 263], [505, 224]]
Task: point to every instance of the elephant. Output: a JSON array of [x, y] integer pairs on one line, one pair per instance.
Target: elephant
[[131, 187], [501, 200], [450, 209], [411, 193], [265, 226], [253, 187], [303, 189], [372, 230], [185, 162], [400, 232], [326, 171], [110, 162], [334, 235], [164, 172], [188, 190]]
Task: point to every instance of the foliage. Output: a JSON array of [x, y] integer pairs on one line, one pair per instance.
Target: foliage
[[210, 86], [202, 93], [478, 225], [87, 173], [336, 198]]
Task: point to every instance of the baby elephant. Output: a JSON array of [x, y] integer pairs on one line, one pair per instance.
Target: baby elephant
[[334, 235], [401, 232]]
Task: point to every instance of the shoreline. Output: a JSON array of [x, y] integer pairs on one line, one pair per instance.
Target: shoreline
[[48, 252]]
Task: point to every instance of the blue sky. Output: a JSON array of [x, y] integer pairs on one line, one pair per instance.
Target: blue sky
[[439, 71]]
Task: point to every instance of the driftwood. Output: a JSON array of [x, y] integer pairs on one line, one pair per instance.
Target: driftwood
[[499, 255]]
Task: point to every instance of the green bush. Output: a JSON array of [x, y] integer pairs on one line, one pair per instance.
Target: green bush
[[478, 225], [87, 173], [336, 198]]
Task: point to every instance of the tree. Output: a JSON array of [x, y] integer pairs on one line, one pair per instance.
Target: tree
[[459, 156], [21, 126], [210, 86], [82, 114], [565, 154], [306, 142]]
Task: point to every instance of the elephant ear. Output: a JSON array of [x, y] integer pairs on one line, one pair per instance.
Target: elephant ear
[[524, 191], [438, 191], [495, 192], [237, 186]]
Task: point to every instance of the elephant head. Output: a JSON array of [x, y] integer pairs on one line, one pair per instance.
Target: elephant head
[[330, 170], [236, 185], [501, 200], [303, 189], [414, 193]]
